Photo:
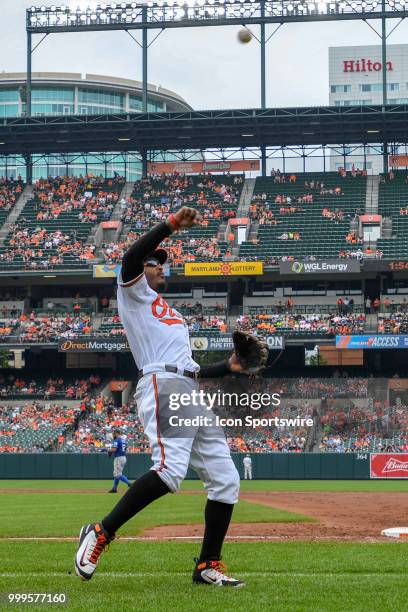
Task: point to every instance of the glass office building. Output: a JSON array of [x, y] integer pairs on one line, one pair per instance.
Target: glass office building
[[74, 94], [355, 79]]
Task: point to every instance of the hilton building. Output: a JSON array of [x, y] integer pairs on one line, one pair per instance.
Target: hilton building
[[71, 94], [355, 78]]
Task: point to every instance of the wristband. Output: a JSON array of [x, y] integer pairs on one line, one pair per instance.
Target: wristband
[[175, 225]]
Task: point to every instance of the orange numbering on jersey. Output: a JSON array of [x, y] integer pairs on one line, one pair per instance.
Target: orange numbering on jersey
[[164, 313]]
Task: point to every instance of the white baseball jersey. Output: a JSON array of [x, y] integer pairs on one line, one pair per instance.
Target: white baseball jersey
[[156, 332]]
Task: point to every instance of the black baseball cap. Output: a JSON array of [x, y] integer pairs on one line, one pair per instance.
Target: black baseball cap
[[160, 255]]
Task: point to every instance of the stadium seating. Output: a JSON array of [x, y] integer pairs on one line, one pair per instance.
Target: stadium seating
[[10, 191], [306, 217], [111, 325], [32, 426], [393, 203], [53, 228], [368, 443], [317, 235], [45, 327], [211, 323], [112, 252], [374, 426], [198, 308], [271, 438], [215, 197], [393, 323], [8, 329], [308, 325], [93, 432], [49, 326], [39, 386], [351, 418]]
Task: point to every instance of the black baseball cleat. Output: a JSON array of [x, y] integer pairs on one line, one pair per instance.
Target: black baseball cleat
[[112, 491], [93, 539], [213, 572]]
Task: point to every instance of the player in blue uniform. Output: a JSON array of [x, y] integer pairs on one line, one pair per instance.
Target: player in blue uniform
[[118, 450]]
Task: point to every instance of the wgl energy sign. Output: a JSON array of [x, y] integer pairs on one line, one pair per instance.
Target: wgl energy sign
[[379, 341], [336, 266]]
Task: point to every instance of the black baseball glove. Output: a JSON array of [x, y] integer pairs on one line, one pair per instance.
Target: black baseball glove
[[251, 352]]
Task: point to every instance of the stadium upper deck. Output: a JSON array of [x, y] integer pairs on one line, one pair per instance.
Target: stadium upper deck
[[52, 229], [306, 214], [294, 216]]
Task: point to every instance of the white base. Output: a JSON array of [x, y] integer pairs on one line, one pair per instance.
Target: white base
[[395, 532]]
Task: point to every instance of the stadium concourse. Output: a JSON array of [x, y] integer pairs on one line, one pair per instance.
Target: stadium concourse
[[63, 237]]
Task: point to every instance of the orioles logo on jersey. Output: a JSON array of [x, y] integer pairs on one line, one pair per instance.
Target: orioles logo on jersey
[[162, 311]]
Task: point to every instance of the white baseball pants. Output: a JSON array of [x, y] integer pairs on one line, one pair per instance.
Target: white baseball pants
[[207, 455]]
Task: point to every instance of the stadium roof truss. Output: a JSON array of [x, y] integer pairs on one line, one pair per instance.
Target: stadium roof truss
[[194, 130], [183, 131], [160, 15], [190, 13]]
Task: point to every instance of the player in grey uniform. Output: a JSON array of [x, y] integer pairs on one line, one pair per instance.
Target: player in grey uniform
[[247, 461], [159, 340]]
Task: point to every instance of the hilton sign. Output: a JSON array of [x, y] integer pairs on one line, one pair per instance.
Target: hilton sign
[[364, 65]]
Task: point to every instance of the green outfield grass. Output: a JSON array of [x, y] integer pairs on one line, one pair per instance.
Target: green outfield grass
[[52, 514], [246, 485], [156, 576], [280, 576]]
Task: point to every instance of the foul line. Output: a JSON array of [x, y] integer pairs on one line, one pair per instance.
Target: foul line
[[300, 537]]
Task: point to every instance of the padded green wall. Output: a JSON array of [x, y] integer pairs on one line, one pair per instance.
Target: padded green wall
[[264, 466]]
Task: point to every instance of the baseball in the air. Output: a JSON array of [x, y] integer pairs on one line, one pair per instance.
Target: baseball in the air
[[244, 36]]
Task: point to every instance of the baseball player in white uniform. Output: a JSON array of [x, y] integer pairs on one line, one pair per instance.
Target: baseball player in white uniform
[[247, 461], [159, 340]]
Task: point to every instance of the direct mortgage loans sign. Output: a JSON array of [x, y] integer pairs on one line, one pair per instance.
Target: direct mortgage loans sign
[[334, 266], [378, 341], [94, 345]]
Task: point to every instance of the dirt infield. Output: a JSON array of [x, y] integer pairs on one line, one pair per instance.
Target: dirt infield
[[337, 516], [347, 516]]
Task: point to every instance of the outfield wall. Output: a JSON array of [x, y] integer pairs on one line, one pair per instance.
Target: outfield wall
[[284, 466]]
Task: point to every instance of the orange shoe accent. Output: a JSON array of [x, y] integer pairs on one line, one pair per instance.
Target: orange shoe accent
[[219, 566], [101, 542]]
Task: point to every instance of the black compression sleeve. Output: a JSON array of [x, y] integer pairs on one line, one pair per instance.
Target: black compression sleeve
[[143, 492], [217, 520], [132, 263], [215, 370]]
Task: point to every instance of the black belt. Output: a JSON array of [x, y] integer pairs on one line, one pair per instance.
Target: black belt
[[174, 370]]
